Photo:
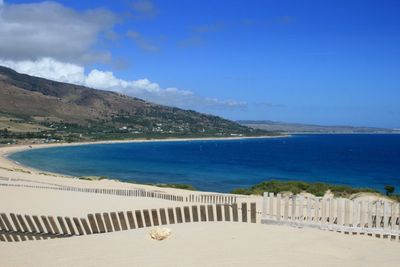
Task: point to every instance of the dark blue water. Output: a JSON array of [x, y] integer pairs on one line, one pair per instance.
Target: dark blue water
[[356, 160]]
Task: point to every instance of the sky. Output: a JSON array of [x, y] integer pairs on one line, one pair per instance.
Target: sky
[[316, 61]]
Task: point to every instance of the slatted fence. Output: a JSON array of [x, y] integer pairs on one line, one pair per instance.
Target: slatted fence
[[379, 218], [16, 227], [212, 198], [108, 191]]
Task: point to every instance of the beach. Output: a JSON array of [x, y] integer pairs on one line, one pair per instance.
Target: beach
[[190, 244]]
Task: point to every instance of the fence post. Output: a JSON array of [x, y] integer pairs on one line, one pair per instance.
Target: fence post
[[86, 226], [286, 208], [265, 205], [131, 221], [244, 212], [186, 212], [294, 202], [271, 206], [203, 216], [278, 207], [114, 220], [107, 222], [154, 215], [253, 212], [100, 223], [122, 220], [139, 219]]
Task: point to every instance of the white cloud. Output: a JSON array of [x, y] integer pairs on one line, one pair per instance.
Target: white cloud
[[143, 88], [49, 29]]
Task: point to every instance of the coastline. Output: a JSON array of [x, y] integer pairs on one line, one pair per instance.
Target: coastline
[[238, 244], [6, 151]]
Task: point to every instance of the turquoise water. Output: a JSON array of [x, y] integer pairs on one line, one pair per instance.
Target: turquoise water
[[356, 160]]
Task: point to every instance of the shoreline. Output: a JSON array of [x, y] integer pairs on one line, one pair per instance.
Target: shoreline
[[6, 151]]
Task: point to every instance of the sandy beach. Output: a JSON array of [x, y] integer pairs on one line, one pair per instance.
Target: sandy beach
[[191, 244]]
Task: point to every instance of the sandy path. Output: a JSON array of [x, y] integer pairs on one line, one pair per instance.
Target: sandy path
[[207, 244]]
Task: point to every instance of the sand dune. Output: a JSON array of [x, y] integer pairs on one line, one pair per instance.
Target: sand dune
[[191, 244]]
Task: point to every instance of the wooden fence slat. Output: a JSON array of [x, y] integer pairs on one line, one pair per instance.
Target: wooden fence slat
[[22, 223], [235, 216], [53, 225], [86, 226], [178, 212], [271, 206], [7, 222], [47, 225], [186, 211], [131, 221], [253, 212], [265, 205], [392, 216], [219, 212], [107, 222], [347, 212], [244, 211], [369, 218], [286, 208], [227, 213], [385, 214], [139, 219], [62, 225], [115, 222], [339, 212], [210, 213], [2, 225], [203, 214], [92, 223], [100, 223], [16, 223], [78, 226], [331, 210], [154, 216], [146, 215], [171, 218], [278, 206], [30, 223], [163, 217], [195, 213], [70, 226], [38, 224], [293, 213], [309, 209], [122, 220], [8, 237]]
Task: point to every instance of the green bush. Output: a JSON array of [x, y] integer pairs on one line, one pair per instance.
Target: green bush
[[296, 187]]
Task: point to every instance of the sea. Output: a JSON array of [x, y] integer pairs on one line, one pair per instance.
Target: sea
[[358, 160]]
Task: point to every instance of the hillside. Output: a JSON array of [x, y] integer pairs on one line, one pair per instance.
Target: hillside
[[32, 107], [311, 128]]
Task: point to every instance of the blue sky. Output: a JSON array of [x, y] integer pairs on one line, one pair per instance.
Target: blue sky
[[324, 62]]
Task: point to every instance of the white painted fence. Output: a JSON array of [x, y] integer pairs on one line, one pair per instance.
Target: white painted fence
[[379, 218]]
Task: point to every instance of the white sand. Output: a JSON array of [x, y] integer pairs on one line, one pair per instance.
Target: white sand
[[207, 244], [194, 244]]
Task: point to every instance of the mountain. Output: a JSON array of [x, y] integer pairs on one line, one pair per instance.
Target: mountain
[[310, 128], [37, 107]]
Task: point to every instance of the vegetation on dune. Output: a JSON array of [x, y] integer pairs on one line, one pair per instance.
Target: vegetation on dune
[[297, 187], [177, 186]]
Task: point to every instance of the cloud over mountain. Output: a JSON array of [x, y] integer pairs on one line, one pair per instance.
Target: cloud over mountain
[[106, 80]]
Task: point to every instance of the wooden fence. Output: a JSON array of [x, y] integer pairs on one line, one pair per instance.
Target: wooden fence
[[135, 192], [16, 227], [212, 198], [108, 191], [380, 218]]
